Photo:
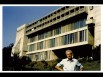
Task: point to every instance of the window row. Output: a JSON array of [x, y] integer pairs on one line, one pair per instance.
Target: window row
[[59, 30], [59, 41], [39, 56]]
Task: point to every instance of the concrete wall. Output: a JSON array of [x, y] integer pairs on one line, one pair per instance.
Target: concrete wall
[[20, 45], [21, 42], [96, 14]]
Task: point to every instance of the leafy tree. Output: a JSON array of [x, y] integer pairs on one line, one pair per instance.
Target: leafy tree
[[96, 53], [7, 59]]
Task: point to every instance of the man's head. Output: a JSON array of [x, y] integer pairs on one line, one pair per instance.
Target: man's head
[[69, 54]]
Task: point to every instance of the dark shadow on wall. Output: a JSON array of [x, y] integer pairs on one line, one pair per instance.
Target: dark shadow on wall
[[78, 51], [60, 53]]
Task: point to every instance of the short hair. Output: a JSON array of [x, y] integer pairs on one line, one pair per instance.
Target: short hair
[[68, 50]]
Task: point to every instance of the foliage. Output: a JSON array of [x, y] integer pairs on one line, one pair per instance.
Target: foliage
[[13, 63], [7, 59], [24, 63], [91, 66], [96, 53]]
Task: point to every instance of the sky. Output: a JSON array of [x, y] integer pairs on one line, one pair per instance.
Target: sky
[[15, 16]]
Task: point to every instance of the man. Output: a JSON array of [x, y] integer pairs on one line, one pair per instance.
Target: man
[[69, 64]]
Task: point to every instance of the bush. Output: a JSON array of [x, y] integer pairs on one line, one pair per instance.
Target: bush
[[96, 53], [42, 65]]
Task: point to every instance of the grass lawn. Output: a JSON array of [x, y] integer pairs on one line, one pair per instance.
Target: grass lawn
[[40, 66], [91, 66], [49, 66]]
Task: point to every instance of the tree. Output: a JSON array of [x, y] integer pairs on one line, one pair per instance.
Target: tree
[[7, 59], [96, 53]]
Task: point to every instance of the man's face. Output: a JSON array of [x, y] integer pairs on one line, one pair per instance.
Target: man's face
[[69, 55]]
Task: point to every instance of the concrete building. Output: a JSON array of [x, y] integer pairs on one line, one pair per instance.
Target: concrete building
[[75, 27]]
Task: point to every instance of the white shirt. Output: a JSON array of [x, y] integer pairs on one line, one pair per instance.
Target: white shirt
[[69, 65]]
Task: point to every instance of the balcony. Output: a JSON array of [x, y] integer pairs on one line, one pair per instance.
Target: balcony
[[90, 22], [82, 37]]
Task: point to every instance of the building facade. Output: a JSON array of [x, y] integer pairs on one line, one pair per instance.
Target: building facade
[[73, 27]]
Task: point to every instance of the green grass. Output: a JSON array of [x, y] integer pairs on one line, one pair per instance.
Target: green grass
[[49, 66], [91, 66]]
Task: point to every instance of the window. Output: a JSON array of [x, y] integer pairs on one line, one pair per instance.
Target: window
[[68, 38], [81, 36], [72, 26], [46, 34], [51, 33], [42, 36], [52, 42], [71, 38], [31, 47], [78, 24], [57, 31], [75, 37], [32, 39], [75, 25], [39, 37], [69, 27], [38, 46], [41, 45], [36, 57], [65, 40], [82, 22], [46, 55], [85, 35], [41, 56]]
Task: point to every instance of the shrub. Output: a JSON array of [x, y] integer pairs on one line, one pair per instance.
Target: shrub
[[96, 53]]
